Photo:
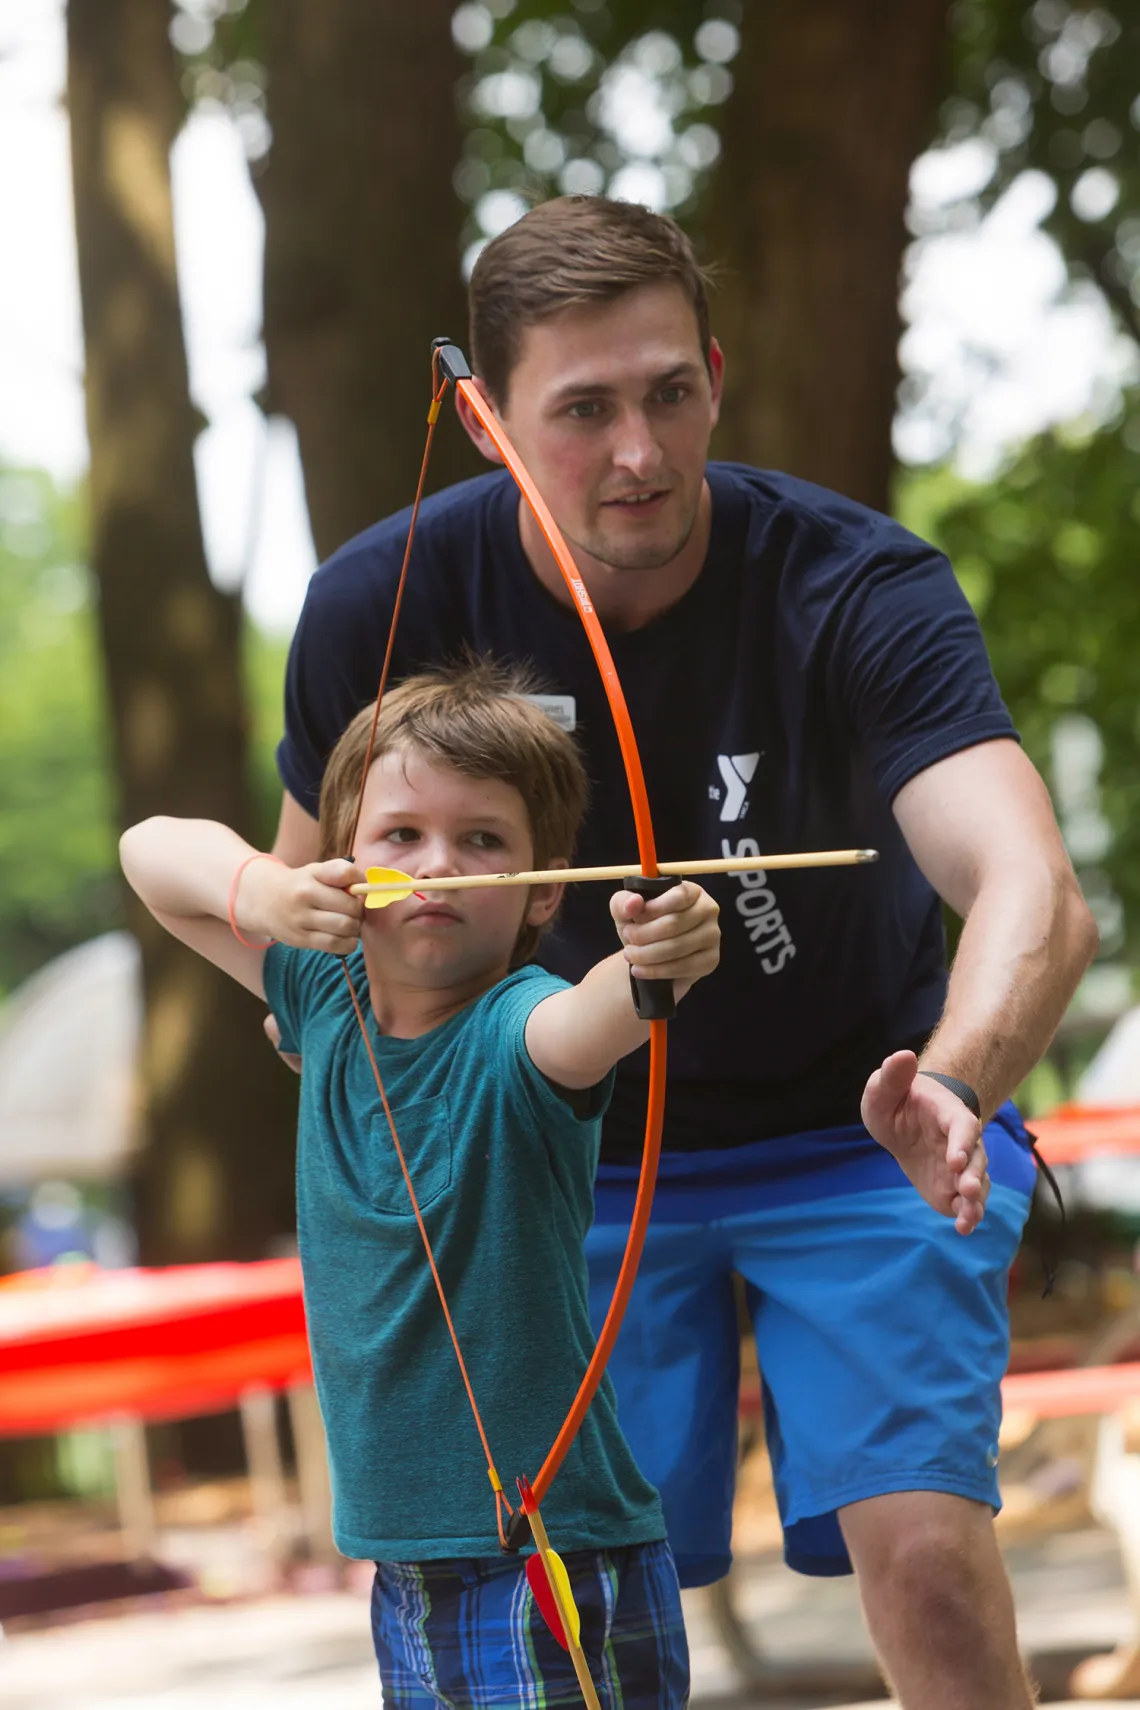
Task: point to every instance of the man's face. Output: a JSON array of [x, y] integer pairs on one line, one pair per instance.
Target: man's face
[[611, 409]]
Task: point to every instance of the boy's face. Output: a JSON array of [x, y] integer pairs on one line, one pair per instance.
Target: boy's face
[[611, 408], [433, 822]]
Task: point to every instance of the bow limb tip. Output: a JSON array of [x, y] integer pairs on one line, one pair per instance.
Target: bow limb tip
[[452, 363]]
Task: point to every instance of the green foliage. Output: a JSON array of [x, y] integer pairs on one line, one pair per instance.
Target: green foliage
[[265, 657], [1047, 556], [219, 48], [57, 837], [1054, 87], [59, 871], [545, 106]]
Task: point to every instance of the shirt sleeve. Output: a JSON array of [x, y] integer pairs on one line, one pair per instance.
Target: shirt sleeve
[[334, 662], [295, 983], [910, 668], [513, 1003]]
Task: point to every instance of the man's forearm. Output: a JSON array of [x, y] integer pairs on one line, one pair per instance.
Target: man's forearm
[[1025, 944]]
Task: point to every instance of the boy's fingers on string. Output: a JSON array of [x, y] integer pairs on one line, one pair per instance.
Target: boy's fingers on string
[[336, 874], [335, 905], [320, 895], [339, 927], [334, 944]]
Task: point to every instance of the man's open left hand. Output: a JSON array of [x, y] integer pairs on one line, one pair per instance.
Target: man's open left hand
[[936, 1141]]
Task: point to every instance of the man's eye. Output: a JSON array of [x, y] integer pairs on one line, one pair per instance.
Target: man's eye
[[584, 410], [673, 394]]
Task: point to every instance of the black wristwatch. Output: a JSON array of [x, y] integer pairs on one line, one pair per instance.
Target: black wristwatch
[[960, 1089]]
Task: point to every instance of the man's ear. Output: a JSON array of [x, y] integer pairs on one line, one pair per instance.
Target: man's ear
[[716, 377], [476, 432]]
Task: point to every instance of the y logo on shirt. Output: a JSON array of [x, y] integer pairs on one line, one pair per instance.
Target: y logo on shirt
[[737, 770]]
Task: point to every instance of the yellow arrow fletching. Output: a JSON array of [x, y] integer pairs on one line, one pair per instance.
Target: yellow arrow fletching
[[387, 876], [564, 1594]]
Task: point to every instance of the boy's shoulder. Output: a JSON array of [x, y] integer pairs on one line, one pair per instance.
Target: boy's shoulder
[[519, 993], [303, 985], [501, 1016]]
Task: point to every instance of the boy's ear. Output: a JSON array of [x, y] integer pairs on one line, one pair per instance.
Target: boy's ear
[[543, 904], [543, 901]]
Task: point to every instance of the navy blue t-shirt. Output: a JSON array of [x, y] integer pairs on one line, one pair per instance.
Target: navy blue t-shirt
[[822, 658]]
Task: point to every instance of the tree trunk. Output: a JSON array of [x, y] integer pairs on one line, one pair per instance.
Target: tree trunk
[[362, 247], [831, 103], [215, 1176]]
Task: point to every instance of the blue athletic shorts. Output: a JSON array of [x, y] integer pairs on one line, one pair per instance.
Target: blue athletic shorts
[[466, 1634], [882, 1334]]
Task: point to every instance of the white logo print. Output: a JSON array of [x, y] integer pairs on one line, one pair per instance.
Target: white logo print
[[737, 771], [758, 909]]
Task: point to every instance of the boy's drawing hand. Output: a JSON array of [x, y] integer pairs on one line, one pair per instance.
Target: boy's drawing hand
[[306, 907], [672, 937]]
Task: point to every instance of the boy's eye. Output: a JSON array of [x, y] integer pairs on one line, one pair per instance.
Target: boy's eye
[[401, 834], [486, 840]]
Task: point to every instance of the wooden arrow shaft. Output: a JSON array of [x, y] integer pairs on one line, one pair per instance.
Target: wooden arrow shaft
[[581, 875], [574, 1644]]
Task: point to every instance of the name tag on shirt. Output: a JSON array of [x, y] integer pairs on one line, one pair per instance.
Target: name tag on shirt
[[562, 709]]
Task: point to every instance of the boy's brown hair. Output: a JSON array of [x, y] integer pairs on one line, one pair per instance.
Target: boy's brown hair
[[476, 718], [565, 254]]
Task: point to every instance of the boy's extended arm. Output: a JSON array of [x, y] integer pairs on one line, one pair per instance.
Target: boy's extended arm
[[576, 1036], [184, 870]]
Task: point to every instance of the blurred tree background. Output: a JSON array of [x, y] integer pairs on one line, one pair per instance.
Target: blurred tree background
[[386, 144]]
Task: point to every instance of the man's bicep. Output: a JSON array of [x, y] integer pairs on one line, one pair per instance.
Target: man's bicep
[[909, 670], [981, 810], [297, 840]]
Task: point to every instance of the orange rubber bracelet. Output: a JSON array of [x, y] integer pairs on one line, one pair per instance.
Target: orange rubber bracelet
[[262, 855]]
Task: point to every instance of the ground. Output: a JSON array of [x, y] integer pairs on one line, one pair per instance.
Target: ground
[[308, 1652]]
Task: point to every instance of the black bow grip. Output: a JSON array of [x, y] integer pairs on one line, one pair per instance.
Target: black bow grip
[[652, 999]]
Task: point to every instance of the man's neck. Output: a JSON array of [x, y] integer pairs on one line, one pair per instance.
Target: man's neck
[[623, 599]]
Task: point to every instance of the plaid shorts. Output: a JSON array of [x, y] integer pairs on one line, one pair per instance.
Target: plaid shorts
[[466, 1634]]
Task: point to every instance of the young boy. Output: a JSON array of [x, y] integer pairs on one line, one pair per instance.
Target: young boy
[[497, 1074]]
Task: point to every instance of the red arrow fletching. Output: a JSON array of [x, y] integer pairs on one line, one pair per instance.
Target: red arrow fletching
[[545, 1598]]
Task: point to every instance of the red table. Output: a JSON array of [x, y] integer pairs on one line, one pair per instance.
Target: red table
[[1078, 1132], [79, 1344]]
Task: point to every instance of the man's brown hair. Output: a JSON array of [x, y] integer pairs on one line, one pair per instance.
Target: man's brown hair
[[476, 718], [565, 254]]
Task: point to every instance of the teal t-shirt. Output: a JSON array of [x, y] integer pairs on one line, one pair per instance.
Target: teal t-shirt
[[503, 1169]]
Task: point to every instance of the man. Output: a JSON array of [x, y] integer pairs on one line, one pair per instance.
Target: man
[[801, 673]]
